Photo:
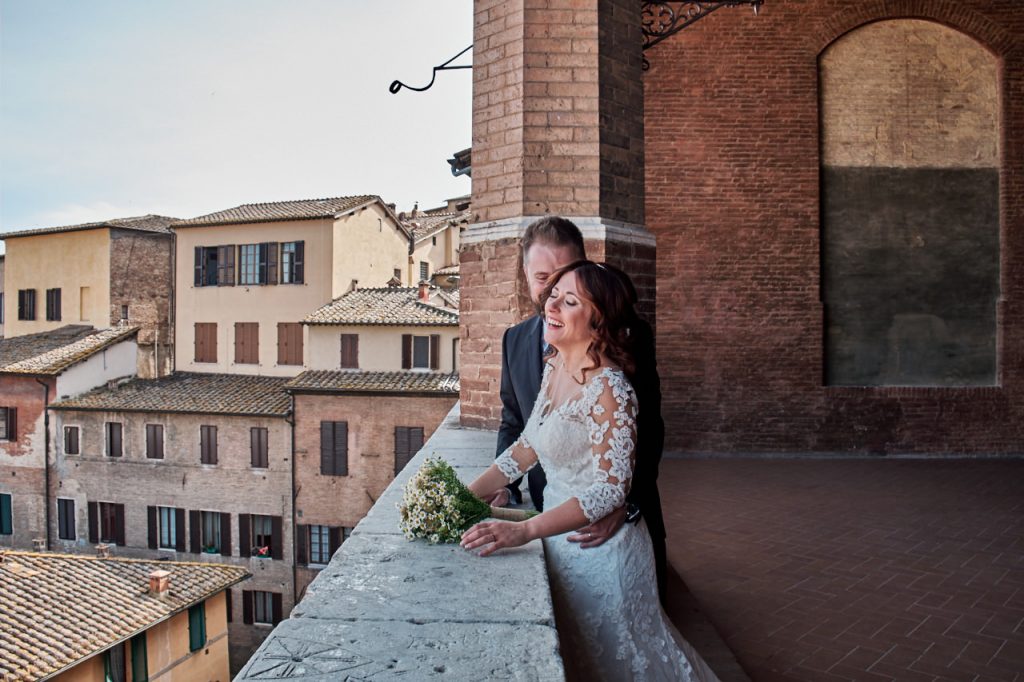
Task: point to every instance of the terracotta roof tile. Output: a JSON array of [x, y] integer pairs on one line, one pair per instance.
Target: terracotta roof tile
[[387, 306], [448, 270], [59, 609], [355, 381], [144, 223], [426, 225], [52, 352], [240, 394], [305, 209]]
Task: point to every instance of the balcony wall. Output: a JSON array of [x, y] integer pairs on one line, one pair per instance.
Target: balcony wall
[[387, 606]]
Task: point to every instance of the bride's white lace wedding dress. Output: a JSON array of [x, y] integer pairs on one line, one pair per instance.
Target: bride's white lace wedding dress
[[610, 623]]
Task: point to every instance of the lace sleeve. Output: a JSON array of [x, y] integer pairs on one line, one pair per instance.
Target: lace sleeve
[[517, 459], [612, 426]]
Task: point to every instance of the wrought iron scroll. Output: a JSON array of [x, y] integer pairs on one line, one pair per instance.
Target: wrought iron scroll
[[398, 85], [659, 20]]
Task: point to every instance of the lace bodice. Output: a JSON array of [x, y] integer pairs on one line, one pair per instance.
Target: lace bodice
[[586, 444]]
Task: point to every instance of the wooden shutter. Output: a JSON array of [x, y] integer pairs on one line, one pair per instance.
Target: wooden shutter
[[226, 265], [435, 351], [225, 535], [350, 351], [406, 351], [204, 446], [244, 537], [247, 606], [247, 343], [71, 440], [271, 262], [12, 424], [213, 444], [289, 343], [258, 447], [327, 448], [301, 555], [179, 529], [278, 615], [276, 537], [401, 448], [228, 604], [197, 279], [151, 527], [206, 342], [335, 538], [299, 263], [119, 536], [340, 448], [195, 530], [94, 522], [57, 305]]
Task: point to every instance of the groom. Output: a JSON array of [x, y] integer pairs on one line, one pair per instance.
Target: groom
[[548, 244]]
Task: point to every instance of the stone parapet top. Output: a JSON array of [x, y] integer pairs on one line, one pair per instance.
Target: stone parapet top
[[388, 607]]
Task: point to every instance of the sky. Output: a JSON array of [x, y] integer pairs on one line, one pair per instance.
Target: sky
[[116, 108]]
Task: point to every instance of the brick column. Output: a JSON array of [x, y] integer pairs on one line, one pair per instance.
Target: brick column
[[557, 130]]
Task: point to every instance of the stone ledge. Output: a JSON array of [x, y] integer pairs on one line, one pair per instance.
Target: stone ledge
[[388, 607]]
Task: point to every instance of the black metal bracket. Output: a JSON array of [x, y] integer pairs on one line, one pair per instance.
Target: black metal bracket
[[398, 85], [659, 20]]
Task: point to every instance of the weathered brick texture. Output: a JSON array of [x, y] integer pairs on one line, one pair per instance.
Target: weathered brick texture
[[732, 194], [21, 460]]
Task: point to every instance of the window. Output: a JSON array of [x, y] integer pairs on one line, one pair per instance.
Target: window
[[53, 304], [261, 607], [248, 263], [214, 266], [106, 522], [289, 343], [27, 304], [433, 240], [205, 342], [66, 519], [84, 303], [334, 448], [9, 423], [168, 535], [210, 539], [113, 664], [140, 659], [6, 514], [113, 437], [258, 447], [350, 351], [291, 263], [260, 536], [317, 544], [421, 352], [424, 270], [208, 444], [408, 441], [398, 274], [71, 440], [210, 532], [247, 343], [124, 312], [197, 626], [154, 441]]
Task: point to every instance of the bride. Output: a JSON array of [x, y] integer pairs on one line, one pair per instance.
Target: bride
[[583, 430]]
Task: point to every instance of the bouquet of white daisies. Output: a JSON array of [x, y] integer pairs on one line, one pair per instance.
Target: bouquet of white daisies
[[438, 507]]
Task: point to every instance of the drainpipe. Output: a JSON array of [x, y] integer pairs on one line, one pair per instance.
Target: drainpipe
[[290, 419], [46, 456], [172, 301]]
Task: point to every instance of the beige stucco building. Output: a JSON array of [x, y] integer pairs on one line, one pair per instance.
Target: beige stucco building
[[436, 236], [247, 276]]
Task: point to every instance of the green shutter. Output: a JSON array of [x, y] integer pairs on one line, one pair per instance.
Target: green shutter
[[140, 662], [6, 523], [197, 626]]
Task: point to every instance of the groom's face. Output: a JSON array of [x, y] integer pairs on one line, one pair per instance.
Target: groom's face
[[539, 261]]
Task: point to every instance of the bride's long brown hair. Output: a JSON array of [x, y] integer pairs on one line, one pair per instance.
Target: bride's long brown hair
[[613, 297]]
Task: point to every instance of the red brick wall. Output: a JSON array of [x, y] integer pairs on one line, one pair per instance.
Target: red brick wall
[[732, 182], [21, 461]]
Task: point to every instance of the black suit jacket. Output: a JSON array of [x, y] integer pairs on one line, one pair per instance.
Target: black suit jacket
[[522, 367]]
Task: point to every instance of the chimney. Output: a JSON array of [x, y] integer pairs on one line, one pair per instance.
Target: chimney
[[159, 583], [415, 210], [424, 294], [392, 207], [103, 551], [39, 544]]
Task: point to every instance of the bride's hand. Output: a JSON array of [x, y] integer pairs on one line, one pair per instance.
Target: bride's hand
[[495, 534]]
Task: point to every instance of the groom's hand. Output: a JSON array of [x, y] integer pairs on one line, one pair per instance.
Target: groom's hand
[[600, 531], [499, 499]]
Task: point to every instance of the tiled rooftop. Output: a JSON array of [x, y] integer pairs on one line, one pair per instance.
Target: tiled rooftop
[[59, 609], [144, 223], [448, 270], [306, 209], [425, 225], [388, 306], [229, 394], [374, 382], [50, 353]]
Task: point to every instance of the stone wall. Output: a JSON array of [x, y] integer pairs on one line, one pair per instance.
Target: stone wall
[[21, 460]]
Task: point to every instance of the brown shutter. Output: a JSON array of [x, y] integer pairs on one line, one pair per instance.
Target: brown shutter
[[282, 343], [151, 526], [278, 615], [204, 445], [239, 342], [254, 447], [350, 351], [301, 555], [12, 424], [334, 534], [327, 448], [295, 346], [300, 267], [212, 447], [435, 351], [406, 351], [226, 265], [94, 522], [194, 528], [119, 536], [228, 601], [225, 534], [179, 527], [197, 278], [289, 343], [272, 262], [341, 448], [415, 440], [401, 448], [247, 606], [206, 342], [150, 441], [244, 536], [277, 537]]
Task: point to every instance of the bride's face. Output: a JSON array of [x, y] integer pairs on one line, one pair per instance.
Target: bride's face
[[568, 315]]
